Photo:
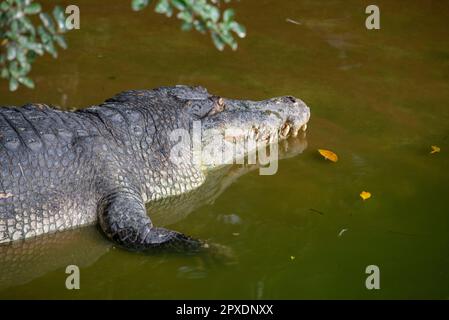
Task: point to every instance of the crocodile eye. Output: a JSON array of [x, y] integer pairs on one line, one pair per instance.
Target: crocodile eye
[[198, 109]]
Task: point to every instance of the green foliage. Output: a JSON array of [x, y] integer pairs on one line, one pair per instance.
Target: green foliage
[[201, 15], [27, 32]]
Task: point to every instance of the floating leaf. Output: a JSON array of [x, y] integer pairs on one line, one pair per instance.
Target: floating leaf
[[435, 149], [365, 195], [329, 155], [293, 21]]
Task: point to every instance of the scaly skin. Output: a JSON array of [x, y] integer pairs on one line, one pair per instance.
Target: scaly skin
[[61, 170], [23, 261]]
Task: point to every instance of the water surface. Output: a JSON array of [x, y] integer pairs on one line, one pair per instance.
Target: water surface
[[379, 99]]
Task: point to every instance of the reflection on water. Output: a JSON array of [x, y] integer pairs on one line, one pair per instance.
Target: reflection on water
[[23, 261], [173, 209], [379, 99]]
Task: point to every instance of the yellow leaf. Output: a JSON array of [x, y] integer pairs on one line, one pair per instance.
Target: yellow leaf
[[365, 195], [329, 155], [435, 149]]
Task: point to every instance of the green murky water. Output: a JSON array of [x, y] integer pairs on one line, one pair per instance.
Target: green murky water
[[379, 99]]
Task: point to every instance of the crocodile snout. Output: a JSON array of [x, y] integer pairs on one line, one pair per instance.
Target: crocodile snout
[[294, 114]]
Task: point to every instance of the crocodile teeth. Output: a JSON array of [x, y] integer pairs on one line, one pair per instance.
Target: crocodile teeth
[[285, 130]]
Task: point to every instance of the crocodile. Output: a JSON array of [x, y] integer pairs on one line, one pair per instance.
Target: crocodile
[[62, 170]]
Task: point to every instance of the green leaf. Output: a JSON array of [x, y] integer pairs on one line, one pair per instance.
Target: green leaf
[[186, 26], [4, 6], [137, 5], [13, 84], [186, 16], [33, 8], [11, 52], [214, 14], [45, 37], [15, 27], [181, 5], [233, 44], [164, 7], [31, 55], [218, 42], [60, 41], [35, 47], [50, 48], [28, 25], [21, 56], [239, 29], [199, 26], [59, 16], [228, 39], [47, 21], [4, 73], [27, 82], [228, 15], [24, 68], [14, 69]]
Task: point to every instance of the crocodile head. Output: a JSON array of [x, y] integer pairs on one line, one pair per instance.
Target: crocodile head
[[265, 121], [242, 121], [215, 122]]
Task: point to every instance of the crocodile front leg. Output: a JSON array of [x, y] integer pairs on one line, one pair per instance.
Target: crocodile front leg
[[123, 219]]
